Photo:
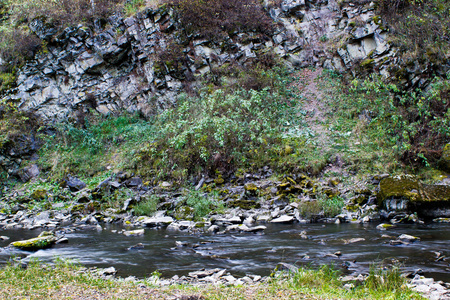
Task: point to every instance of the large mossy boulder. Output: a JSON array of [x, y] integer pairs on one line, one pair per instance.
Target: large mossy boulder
[[405, 192], [44, 240], [444, 162]]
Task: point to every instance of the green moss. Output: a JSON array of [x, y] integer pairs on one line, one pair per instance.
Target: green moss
[[44, 240], [367, 63], [377, 20]]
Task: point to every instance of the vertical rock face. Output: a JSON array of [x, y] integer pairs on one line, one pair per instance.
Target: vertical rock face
[[121, 67]]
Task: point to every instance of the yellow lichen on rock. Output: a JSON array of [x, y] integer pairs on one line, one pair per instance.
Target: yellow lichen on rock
[[44, 240]]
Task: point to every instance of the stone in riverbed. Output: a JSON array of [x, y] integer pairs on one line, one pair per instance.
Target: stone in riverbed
[[405, 192], [44, 240], [283, 219], [136, 232], [354, 240], [255, 229], [384, 226], [408, 237], [137, 246], [157, 221]]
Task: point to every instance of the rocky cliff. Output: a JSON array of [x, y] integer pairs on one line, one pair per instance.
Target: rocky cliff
[[123, 66]]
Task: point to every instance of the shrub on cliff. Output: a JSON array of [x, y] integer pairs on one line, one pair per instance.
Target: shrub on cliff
[[214, 19], [216, 132], [415, 124], [421, 29]]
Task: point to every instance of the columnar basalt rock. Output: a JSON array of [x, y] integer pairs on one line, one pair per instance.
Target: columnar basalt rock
[[132, 64]]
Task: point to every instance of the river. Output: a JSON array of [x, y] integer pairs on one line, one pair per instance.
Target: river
[[175, 252]]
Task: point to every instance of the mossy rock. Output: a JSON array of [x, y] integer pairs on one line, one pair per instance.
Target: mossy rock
[[251, 187], [403, 187], [184, 213], [39, 194], [219, 180], [426, 200], [330, 192], [44, 240], [353, 207], [243, 204], [359, 199], [77, 208], [409, 188], [444, 162]]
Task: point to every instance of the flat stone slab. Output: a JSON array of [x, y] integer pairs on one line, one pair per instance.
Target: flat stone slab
[[283, 219], [160, 221]]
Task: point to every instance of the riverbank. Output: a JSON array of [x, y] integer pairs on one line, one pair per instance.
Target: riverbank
[[68, 281]]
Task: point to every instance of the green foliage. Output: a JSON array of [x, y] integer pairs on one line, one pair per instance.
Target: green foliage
[[422, 30], [146, 207], [385, 279], [217, 130], [380, 284], [202, 204], [134, 6], [411, 126], [332, 206], [89, 148], [215, 19], [324, 206], [42, 281]]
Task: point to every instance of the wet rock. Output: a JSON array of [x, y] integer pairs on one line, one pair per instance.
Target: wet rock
[[62, 241], [384, 226], [283, 219], [442, 220], [213, 229], [157, 221], [107, 271], [354, 240], [44, 240], [74, 184], [136, 232], [286, 267], [444, 162], [405, 192], [408, 237], [398, 242], [256, 229], [205, 272], [136, 247]]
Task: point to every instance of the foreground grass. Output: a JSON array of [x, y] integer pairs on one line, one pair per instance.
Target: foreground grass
[[68, 281]]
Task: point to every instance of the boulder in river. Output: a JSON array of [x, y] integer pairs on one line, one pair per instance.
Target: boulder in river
[[136, 232], [283, 219], [405, 192], [44, 240]]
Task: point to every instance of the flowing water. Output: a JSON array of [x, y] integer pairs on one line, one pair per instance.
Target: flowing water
[[244, 253]]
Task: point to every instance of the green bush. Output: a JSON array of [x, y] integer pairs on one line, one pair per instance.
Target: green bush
[[332, 206], [413, 124], [217, 131], [215, 19], [146, 207], [202, 204]]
